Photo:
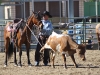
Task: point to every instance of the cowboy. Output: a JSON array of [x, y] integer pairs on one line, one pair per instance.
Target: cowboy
[[43, 35]]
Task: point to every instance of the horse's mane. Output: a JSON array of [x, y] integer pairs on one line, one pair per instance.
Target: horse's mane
[[29, 18]]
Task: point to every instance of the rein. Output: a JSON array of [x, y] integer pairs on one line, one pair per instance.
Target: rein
[[32, 34]]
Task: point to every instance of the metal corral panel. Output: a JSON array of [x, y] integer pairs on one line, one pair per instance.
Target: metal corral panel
[[1, 38]]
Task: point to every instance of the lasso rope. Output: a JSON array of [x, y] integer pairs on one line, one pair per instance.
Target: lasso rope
[[33, 35]]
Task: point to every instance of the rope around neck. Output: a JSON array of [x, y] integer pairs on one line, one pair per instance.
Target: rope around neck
[[33, 35]]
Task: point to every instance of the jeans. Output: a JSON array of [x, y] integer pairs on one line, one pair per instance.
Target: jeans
[[46, 57]]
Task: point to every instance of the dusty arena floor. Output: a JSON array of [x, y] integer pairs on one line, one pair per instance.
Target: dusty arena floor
[[90, 67]]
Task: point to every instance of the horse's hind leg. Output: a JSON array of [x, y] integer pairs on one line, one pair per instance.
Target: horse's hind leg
[[15, 61], [5, 63], [6, 52], [73, 59]]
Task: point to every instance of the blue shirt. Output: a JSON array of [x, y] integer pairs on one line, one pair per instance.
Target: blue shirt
[[47, 27]]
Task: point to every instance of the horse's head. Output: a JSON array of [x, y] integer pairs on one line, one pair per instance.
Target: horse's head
[[35, 18], [81, 51]]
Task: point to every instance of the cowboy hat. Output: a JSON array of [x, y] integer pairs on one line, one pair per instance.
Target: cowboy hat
[[46, 13]]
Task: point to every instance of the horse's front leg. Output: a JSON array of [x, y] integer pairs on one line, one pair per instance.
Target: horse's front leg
[[64, 58], [28, 56], [73, 59], [15, 61], [20, 54]]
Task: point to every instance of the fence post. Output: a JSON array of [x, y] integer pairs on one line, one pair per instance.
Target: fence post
[[84, 30]]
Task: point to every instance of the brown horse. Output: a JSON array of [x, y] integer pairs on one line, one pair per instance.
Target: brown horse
[[22, 38]]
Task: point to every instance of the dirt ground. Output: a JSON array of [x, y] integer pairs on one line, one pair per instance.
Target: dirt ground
[[90, 67]]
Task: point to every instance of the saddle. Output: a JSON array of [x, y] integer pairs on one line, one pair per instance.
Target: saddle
[[13, 28]]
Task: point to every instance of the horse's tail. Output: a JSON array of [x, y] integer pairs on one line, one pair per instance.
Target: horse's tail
[[10, 49]]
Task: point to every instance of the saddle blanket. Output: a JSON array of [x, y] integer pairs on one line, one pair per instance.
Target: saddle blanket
[[9, 29]]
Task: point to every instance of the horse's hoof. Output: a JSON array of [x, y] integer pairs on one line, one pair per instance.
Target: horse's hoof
[[15, 65], [19, 65], [5, 65], [30, 65]]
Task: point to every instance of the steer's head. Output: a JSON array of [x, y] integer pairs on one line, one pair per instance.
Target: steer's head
[[81, 51]]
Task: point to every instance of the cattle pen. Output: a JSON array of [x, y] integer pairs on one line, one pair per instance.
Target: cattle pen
[[80, 30]]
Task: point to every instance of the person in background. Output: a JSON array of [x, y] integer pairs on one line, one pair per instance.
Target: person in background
[[90, 43], [43, 36]]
